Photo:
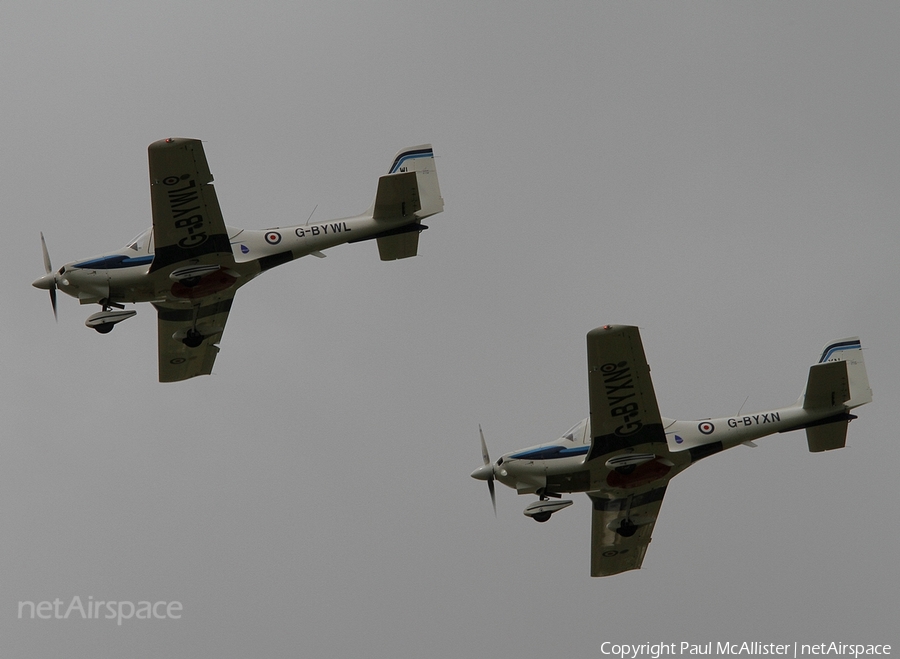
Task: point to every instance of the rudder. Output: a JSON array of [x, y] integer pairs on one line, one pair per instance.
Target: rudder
[[850, 351], [420, 159]]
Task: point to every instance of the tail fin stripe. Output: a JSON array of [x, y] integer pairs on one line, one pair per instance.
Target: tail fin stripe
[[409, 155], [837, 347]]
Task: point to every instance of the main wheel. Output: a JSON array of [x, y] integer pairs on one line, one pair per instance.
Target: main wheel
[[541, 517], [193, 339], [104, 328], [627, 529]]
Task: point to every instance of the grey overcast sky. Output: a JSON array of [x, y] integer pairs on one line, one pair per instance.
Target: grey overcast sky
[[724, 175]]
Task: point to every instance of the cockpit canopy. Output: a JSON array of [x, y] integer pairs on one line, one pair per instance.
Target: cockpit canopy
[[142, 244], [578, 433]]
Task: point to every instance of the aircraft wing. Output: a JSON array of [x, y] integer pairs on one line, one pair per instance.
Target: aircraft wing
[[624, 413], [611, 552], [625, 420], [187, 220], [176, 360]]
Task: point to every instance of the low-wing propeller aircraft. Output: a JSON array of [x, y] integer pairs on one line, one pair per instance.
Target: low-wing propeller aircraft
[[624, 455], [189, 264]]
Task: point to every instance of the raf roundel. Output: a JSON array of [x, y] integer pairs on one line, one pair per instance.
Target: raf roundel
[[706, 428], [273, 237]]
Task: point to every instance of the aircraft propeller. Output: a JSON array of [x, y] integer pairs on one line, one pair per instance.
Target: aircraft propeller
[[486, 471], [48, 281]]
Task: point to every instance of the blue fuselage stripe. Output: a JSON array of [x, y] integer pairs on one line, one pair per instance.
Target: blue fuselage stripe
[[114, 262], [550, 453]]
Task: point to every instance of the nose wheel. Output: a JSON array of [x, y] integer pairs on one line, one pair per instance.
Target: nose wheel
[[541, 510], [104, 321]]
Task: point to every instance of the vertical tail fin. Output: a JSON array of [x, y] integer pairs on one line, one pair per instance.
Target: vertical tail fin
[[836, 384], [409, 192]]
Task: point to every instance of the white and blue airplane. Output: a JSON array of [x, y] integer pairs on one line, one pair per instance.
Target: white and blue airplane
[[624, 455], [189, 264]]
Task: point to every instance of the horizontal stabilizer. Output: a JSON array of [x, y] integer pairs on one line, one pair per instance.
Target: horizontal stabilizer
[[827, 437], [397, 196], [399, 246]]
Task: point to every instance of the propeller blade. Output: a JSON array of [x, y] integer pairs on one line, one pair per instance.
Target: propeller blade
[[48, 281], [489, 476], [47, 267], [493, 495], [53, 302]]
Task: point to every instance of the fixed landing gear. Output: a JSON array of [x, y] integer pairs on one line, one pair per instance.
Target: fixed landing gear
[[196, 333], [193, 339], [104, 321], [541, 510], [629, 525], [627, 528]]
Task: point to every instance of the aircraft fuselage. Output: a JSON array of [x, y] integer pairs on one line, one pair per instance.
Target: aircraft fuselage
[[124, 276], [561, 466]]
